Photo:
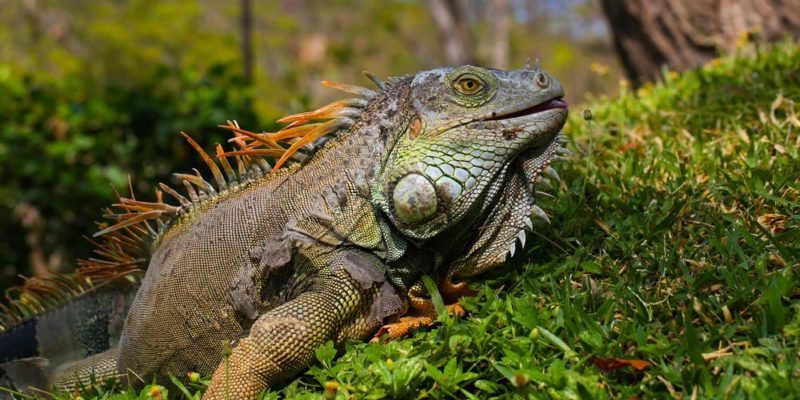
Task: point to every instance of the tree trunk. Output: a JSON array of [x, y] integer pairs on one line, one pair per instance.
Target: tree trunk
[[247, 46], [30, 219], [500, 27], [683, 34], [449, 18]]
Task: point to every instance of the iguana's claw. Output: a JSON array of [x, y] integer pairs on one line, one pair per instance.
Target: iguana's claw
[[454, 291], [404, 325]]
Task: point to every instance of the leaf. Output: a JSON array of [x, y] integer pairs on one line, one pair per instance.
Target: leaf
[[180, 386], [506, 371], [436, 297], [613, 364], [556, 341], [591, 266], [326, 353]]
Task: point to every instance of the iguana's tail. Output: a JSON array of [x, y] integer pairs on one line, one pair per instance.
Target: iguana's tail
[[121, 253], [49, 322], [35, 351]]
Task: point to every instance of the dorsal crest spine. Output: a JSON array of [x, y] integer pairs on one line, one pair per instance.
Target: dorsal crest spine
[[121, 248]]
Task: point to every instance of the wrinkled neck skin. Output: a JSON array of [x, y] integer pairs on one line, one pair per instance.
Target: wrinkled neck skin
[[478, 231], [477, 243], [490, 214], [493, 220]]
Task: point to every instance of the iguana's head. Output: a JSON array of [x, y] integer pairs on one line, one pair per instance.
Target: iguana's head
[[466, 127]]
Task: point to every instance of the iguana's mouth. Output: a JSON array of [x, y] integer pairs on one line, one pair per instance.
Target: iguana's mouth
[[548, 105]]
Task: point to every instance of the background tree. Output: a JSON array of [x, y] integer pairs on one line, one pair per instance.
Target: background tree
[[247, 41], [453, 31], [500, 20], [682, 34]]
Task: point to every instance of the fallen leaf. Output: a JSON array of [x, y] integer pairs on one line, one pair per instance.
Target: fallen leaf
[[627, 147], [603, 225], [696, 265], [612, 364], [702, 178], [777, 260], [773, 222], [743, 135], [726, 313], [776, 104]]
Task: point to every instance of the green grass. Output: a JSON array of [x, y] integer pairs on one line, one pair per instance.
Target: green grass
[[675, 239]]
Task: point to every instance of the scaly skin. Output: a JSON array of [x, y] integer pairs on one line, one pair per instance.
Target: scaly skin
[[432, 176]]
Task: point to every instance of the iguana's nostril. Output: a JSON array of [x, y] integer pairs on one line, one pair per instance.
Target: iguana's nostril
[[542, 80]]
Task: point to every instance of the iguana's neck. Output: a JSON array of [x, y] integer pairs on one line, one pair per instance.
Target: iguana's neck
[[454, 241], [356, 155]]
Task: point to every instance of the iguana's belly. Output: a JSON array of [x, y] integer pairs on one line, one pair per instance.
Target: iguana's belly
[[203, 289]]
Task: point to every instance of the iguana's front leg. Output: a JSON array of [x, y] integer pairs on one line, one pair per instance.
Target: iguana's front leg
[[347, 299]]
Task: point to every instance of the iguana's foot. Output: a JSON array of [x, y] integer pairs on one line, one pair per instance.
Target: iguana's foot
[[423, 312], [404, 325]]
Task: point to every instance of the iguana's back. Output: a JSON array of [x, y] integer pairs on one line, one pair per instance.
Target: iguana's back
[[227, 262]]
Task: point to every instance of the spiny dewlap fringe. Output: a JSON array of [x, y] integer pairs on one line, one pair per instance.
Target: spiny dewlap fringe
[[121, 248]]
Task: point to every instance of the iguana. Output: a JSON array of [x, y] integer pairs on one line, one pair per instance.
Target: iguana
[[430, 174]]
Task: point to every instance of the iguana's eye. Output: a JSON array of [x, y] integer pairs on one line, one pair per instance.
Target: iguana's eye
[[468, 84]]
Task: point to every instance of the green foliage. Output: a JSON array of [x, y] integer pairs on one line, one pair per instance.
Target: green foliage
[[63, 143], [296, 44]]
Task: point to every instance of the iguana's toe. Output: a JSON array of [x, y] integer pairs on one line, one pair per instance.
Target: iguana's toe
[[401, 328], [454, 291]]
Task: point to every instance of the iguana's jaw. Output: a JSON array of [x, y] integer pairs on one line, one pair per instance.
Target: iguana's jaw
[[553, 104], [536, 126], [552, 109], [516, 115]]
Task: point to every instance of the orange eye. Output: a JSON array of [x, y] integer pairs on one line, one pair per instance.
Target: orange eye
[[468, 85]]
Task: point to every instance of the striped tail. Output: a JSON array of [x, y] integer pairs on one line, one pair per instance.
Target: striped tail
[[34, 350]]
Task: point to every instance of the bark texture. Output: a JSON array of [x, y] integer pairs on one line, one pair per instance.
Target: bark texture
[[683, 34], [459, 46]]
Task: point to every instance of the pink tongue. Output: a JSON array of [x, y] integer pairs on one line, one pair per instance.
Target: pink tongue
[[556, 103]]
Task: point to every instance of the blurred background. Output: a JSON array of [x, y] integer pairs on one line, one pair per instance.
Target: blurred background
[[95, 92]]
